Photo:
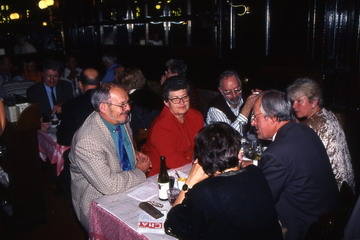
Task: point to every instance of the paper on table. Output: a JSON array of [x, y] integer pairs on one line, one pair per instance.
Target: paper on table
[[144, 193], [148, 224]]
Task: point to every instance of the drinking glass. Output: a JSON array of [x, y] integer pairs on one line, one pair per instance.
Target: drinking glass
[[173, 193]]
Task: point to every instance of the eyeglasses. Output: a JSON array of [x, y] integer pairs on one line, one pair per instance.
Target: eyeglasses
[[254, 117], [122, 106], [178, 100], [235, 91], [52, 77]]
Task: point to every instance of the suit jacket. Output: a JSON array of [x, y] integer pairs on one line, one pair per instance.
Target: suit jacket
[[74, 113], [37, 93], [95, 166], [298, 170]]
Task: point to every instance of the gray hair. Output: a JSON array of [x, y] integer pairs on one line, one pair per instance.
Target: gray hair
[[306, 87], [229, 73], [276, 104], [109, 58], [102, 94]]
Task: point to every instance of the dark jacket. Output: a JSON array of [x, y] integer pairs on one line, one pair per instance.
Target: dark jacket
[[74, 113], [234, 205], [300, 177], [37, 93]]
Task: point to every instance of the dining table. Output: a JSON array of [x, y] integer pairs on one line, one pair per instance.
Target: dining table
[[119, 216], [50, 150]]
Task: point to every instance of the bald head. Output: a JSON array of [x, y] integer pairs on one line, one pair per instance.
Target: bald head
[[89, 79]]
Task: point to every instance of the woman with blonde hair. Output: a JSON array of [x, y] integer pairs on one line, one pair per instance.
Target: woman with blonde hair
[[308, 103]]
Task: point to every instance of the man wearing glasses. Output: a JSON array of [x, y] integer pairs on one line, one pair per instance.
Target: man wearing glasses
[[51, 93], [102, 158], [229, 106]]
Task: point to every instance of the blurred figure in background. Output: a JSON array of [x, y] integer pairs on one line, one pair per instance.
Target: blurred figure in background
[[110, 63], [30, 70], [177, 67], [146, 105], [22, 46], [308, 103], [2, 117], [72, 73]]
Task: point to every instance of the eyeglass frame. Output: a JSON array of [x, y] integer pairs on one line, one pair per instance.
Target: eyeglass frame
[[122, 106], [49, 76], [180, 99], [254, 117], [229, 92]]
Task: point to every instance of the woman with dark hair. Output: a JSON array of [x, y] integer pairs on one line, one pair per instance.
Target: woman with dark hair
[[219, 200], [172, 133]]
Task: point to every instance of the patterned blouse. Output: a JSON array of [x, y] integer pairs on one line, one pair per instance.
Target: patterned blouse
[[328, 128]]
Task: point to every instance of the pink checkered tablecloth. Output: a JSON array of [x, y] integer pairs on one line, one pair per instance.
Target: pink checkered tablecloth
[[104, 225], [50, 150]]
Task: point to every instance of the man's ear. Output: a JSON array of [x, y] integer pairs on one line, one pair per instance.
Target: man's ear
[[240, 157], [166, 103], [103, 107]]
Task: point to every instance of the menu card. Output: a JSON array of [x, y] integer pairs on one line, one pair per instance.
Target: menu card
[[148, 224]]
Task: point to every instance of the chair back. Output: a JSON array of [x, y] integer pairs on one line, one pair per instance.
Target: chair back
[[29, 118], [330, 226]]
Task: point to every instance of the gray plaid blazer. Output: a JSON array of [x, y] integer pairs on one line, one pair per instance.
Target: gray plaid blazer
[[95, 166]]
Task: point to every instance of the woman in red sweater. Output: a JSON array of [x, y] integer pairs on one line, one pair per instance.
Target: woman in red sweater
[[173, 132]]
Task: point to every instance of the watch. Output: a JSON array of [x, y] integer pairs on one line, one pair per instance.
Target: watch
[[185, 187]]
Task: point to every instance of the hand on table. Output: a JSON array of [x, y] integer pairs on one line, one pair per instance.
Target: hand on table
[[44, 125]]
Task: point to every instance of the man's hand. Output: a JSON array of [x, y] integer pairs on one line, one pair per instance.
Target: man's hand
[[249, 103], [142, 162], [56, 109], [44, 125]]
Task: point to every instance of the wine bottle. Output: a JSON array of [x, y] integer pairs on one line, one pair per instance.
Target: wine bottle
[[163, 180]]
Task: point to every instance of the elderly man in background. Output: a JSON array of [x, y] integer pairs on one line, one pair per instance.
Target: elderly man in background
[[102, 156], [228, 105], [110, 63], [295, 165], [51, 93]]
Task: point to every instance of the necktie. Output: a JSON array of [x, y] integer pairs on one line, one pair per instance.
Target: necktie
[[53, 96], [124, 158]]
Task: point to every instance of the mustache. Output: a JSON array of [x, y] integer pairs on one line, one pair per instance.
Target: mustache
[[125, 113]]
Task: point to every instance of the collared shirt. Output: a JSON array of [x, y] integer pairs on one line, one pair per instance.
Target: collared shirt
[[48, 93], [127, 143], [215, 115], [110, 73]]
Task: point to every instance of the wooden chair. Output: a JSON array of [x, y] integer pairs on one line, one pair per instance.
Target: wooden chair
[[29, 118], [330, 226]]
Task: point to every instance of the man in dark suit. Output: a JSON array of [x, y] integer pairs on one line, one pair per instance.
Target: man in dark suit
[[74, 114], [51, 93], [75, 111], [295, 164]]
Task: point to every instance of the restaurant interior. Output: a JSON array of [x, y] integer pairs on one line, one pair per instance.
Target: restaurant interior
[[269, 43]]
